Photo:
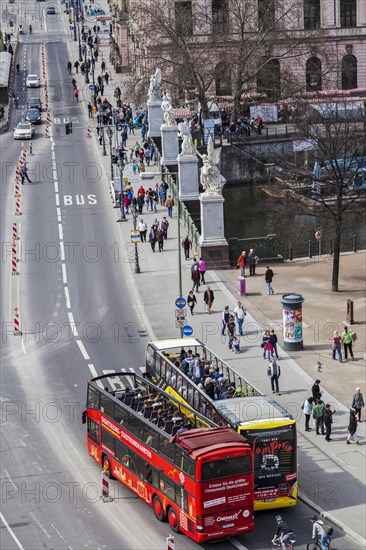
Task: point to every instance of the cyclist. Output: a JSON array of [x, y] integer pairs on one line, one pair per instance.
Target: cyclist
[[318, 532], [15, 100], [18, 68], [30, 28], [283, 532]]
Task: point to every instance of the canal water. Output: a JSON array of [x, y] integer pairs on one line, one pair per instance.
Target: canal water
[[251, 213]]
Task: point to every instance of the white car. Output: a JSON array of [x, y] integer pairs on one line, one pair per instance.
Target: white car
[[33, 81], [24, 130]]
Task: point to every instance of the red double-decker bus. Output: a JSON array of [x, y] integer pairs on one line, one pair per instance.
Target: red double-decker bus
[[198, 479]]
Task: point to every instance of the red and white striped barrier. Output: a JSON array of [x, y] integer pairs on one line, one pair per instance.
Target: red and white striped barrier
[[17, 171], [88, 134], [170, 543], [17, 207], [105, 485], [15, 232], [31, 148], [17, 331], [14, 270], [48, 118], [46, 134], [17, 192]]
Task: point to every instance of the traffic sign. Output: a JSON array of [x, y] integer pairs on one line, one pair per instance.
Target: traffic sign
[[187, 330], [180, 302], [135, 236], [91, 87], [180, 323], [180, 313]]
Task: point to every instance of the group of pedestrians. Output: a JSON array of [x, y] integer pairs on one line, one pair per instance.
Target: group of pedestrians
[[322, 414], [346, 339]]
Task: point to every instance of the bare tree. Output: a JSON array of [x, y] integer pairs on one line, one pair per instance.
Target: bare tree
[[337, 132]]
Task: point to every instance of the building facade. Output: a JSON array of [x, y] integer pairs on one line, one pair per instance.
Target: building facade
[[254, 46]]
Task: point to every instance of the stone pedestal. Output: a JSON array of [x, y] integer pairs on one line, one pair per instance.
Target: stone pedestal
[[169, 145], [214, 246], [188, 177], [156, 118]]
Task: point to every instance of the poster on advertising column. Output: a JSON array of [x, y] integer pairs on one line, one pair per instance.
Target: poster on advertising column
[[292, 325]]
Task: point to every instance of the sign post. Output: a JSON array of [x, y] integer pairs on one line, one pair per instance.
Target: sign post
[[319, 236], [180, 314]]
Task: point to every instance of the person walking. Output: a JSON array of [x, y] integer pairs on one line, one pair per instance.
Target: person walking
[[268, 349], [268, 276], [274, 372], [315, 390], [347, 339], [225, 315], [352, 427], [230, 326], [242, 262], [266, 336], [328, 420], [24, 174], [142, 227], [358, 403], [160, 239], [202, 268], [195, 276], [239, 313], [308, 408], [191, 301], [169, 203], [186, 245], [337, 346], [252, 259], [90, 110], [319, 533], [103, 66], [318, 416], [76, 94], [164, 226], [208, 298], [76, 65], [106, 77], [18, 68], [273, 339], [69, 67], [152, 239]]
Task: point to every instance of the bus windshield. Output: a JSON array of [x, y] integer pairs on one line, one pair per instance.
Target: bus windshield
[[227, 467]]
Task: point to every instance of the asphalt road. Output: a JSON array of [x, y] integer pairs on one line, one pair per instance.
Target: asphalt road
[[79, 318]]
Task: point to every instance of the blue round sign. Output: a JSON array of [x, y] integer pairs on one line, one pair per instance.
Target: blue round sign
[[187, 330], [180, 302]]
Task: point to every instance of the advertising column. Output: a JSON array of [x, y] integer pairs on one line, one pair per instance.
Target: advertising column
[[292, 321]]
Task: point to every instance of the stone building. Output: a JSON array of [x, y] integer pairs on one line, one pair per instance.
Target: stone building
[[329, 38]]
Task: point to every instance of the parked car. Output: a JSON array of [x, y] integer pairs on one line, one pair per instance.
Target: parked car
[[33, 81], [34, 103], [33, 116], [24, 130]]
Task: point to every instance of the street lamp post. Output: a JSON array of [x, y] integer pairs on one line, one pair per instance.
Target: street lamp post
[[122, 204], [135, 216], [74, 18], [86, 65], [80, 53], [110, 134]]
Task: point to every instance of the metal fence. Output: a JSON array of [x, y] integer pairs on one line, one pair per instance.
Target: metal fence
[[272, 249]]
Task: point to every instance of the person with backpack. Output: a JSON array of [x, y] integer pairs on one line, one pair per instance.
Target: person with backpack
[[348, 337], [322, 531], [274, 372]]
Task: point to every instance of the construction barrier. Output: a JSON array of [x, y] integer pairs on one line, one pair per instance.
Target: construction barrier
[[14, 261], [105, 485], [15, 232], [170, 543], [17, 331], [30, 148], [46, 134], [17, 207], [17, 192], [88, 134]]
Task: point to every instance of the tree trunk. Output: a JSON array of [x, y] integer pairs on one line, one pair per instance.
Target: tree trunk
[[336, 257], [236, 109]]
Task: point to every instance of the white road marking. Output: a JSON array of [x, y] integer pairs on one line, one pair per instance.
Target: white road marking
[[238, 544], [60, 232], [67, 297], [23, 346], [72, 323], [53, 155], [92, 369], [57, 199], [83, 350], [11, 532], [56, 186], [62, 250], [39, 525], [64, 274]]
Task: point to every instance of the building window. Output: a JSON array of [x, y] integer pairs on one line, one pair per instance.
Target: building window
[[220, 16], [348, 13], [183, 18], [311, 14], [269, 79], [223, 79], [313, 74], [266, 14], [349, 72]]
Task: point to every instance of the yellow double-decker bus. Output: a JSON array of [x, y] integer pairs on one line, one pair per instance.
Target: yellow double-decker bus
[[268, 427]]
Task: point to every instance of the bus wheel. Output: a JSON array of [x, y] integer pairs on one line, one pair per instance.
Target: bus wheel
[[173, 520], [107, 466], [158, 509]]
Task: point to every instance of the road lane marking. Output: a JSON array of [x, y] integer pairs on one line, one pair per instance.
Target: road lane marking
[[83, 350], [60, 232], [56, 186], [64, 274], [239, 545], [57, 197], [72, 323], [92, 370], [62, 250], [67, 297], [11, 532]]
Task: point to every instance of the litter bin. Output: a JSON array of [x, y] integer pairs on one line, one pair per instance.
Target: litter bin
[[292, 321], [242, 286]]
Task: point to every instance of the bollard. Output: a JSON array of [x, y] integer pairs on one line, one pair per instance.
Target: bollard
[[331, 247], [290, 251], [170, 543], [17, 207], [354, 243], [349, 316], [15, 232], [17, 331], [310, 251], [31, 148]]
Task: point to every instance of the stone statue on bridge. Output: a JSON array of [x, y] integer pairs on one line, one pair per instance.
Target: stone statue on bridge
[[212, 180], [169, 118], [154, 89], [187, 142]]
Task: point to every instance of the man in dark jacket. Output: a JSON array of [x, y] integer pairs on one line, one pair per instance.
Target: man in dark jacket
[[268, 275], [328, 419], [352, 427]]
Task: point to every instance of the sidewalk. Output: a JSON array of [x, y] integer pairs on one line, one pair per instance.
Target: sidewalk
[[331, 475]]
